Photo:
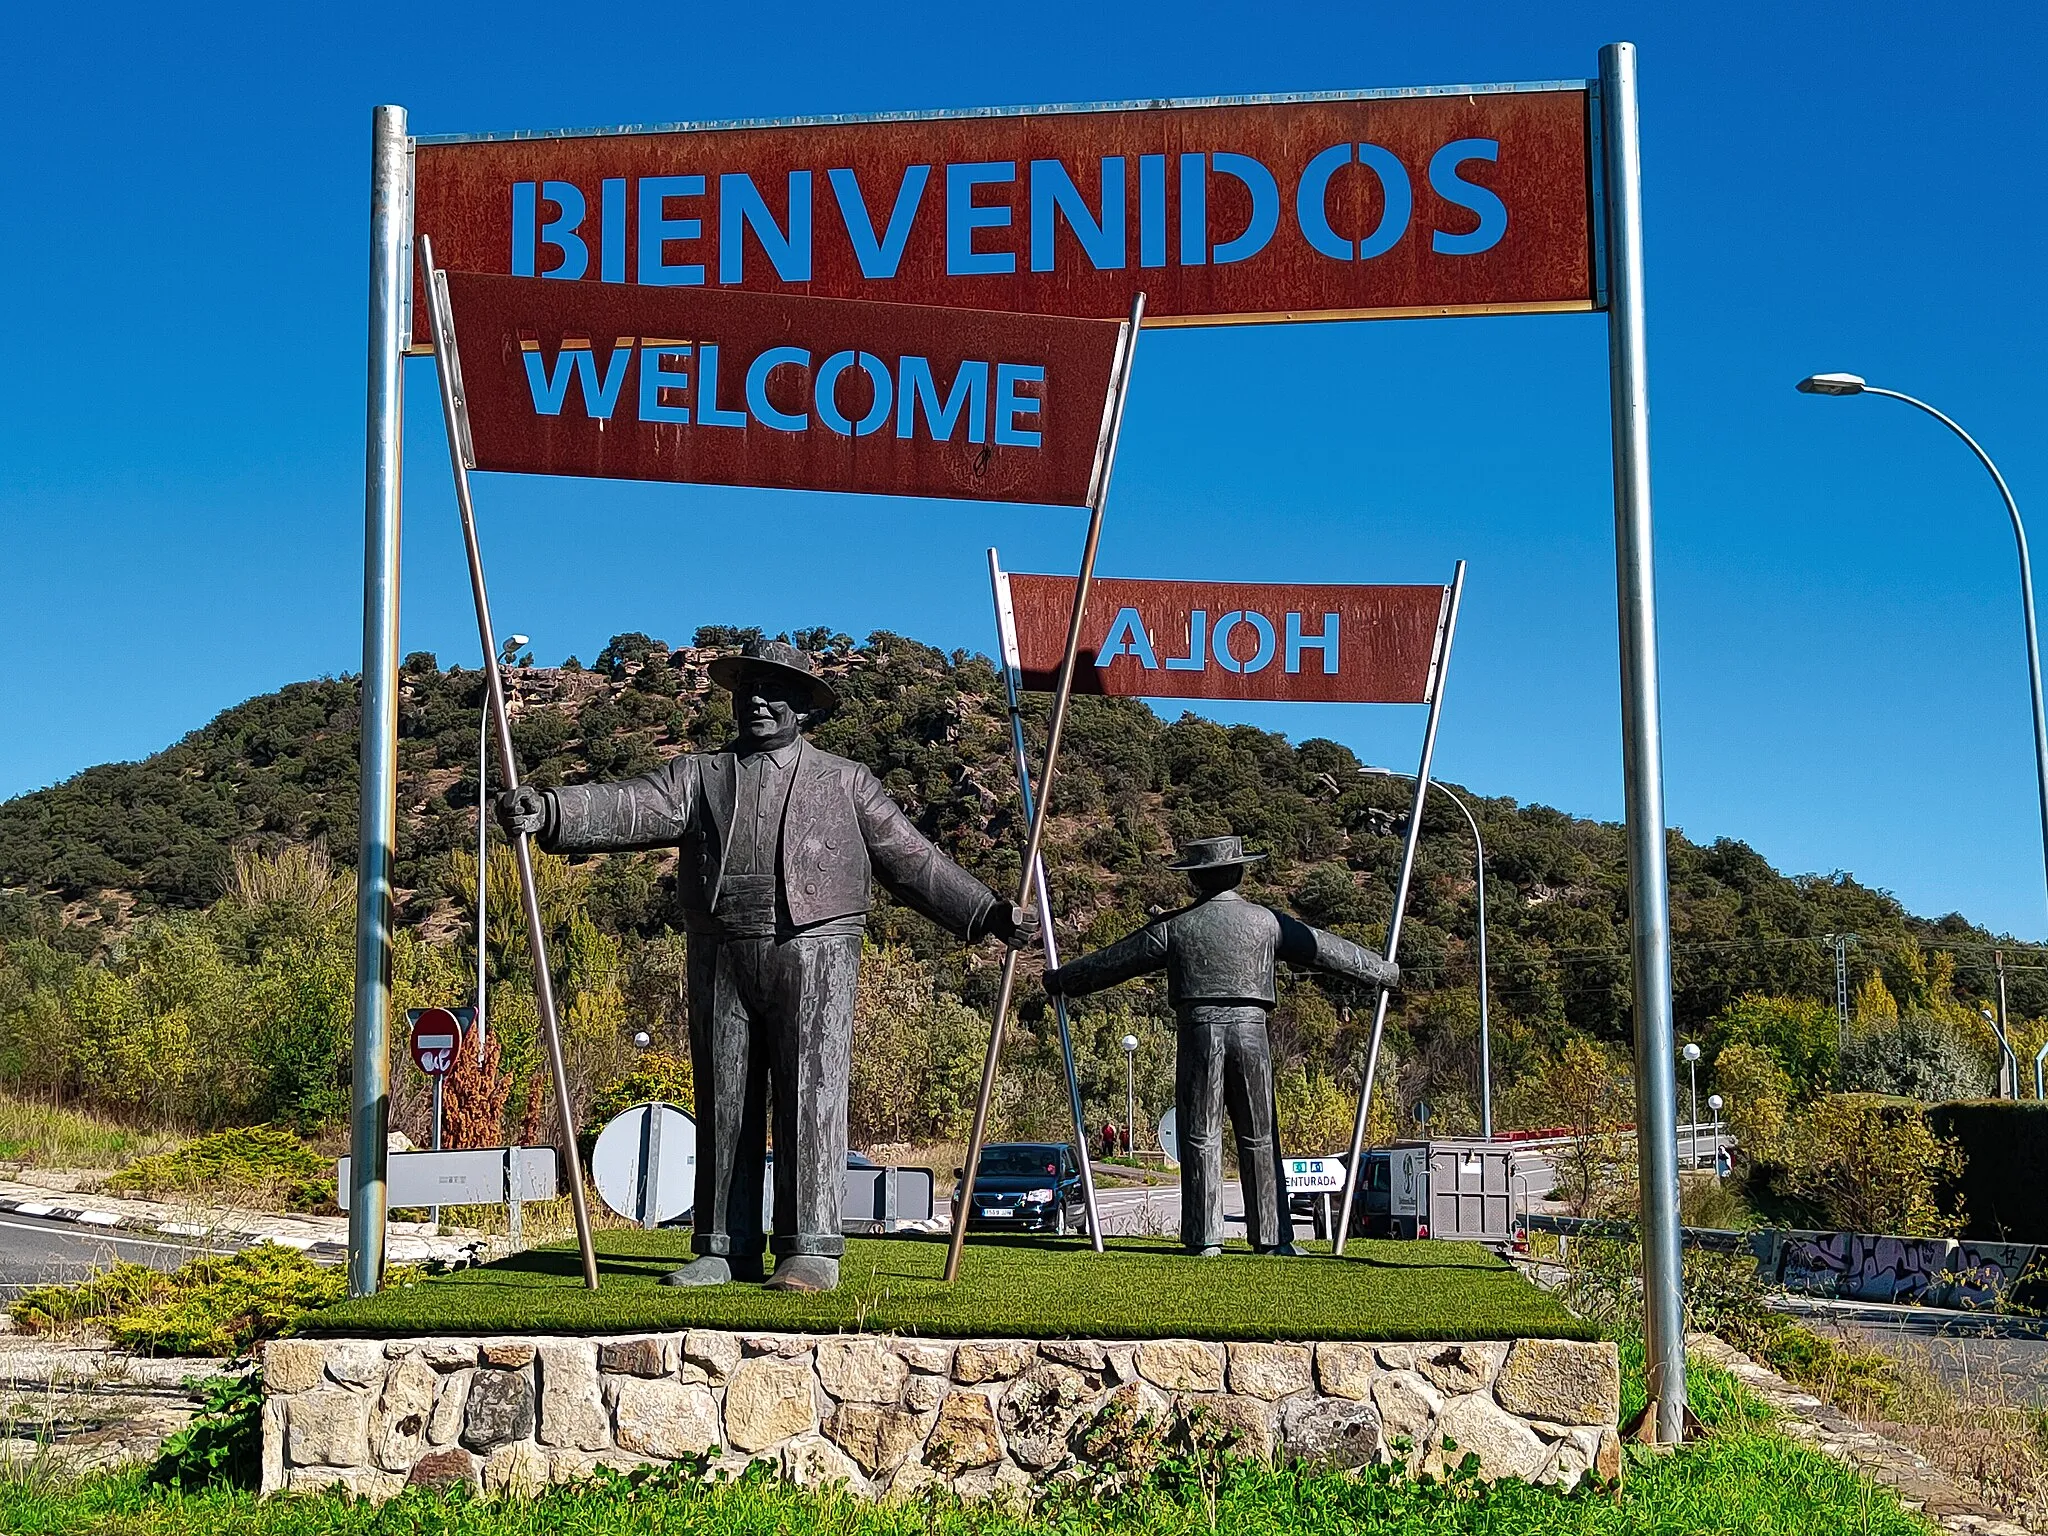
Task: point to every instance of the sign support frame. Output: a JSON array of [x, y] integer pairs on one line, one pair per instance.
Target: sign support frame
[[377, 837], [1618, 166], [1440, 673], [448, 369], [1013, 683], [1098, 499]]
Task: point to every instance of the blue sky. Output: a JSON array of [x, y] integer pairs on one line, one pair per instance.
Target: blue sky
[[1827, 187]]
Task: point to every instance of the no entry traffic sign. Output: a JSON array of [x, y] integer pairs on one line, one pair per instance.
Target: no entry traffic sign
[[436, 1035]]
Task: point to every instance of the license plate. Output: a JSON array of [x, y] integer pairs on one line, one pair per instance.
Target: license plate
[[1004, 1214]]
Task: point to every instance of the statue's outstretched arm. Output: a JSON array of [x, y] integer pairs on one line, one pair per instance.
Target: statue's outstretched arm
[[1135, 955], [919, 875], [1314, 949], [652, 811]]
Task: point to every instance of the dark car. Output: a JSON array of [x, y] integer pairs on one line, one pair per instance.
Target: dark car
[[1031, 1186]]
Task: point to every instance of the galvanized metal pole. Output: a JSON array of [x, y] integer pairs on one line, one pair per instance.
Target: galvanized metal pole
[[1098, 497], [1354, 1169], [377, 813], [455, 415], [1621, 189], [1013, 683]]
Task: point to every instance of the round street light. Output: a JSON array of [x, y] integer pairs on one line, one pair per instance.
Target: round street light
[[1691, 1053], [1130, 1045]]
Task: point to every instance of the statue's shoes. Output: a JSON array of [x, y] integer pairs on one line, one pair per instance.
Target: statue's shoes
[[804, 1272], [1283, 1251], [1213, 1251], [714, 1269]]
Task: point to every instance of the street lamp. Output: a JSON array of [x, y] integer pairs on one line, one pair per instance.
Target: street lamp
[[1714, 1104], [1479, 886], [1130, 1044], [507, 649], [1691, 1053], [1851, 384]]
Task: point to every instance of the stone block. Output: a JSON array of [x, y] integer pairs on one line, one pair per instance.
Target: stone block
[[712, 1352], [1346, 1370], [880, 1438], [1127, 1430], [965, 1435], [1407, 1404], [359, 1482], [519, 1470], [912, 1480], [444, 1424], [499, 1411], [444, 1469], [398, 1423], [1239, 1426], [666, 1418], [572, 1412], [631, 1357], [996, 1361], [508, 1354], [812, 1461], [293, 1365], [1561, 1380], [861, 1370], [1335, 1432], [927, 1359], [273, 1445], [921, 1394], [1270, 1371], [1181, 1365], [1475, 1424], [327, 1427], [767, 1400], [786, 1346], [355, 1363], [449, 1354], [1004, 1483], [1081, 1354], [1038, 1411], [1455, 1368]]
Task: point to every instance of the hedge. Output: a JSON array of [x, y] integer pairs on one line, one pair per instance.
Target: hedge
[[2004, 1185]]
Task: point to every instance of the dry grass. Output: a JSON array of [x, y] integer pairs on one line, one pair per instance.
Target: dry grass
[[1964, 1405], [43, 1135]]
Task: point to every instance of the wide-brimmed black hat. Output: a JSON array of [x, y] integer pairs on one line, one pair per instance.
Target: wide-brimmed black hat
[[778, 656], [1213, 853]]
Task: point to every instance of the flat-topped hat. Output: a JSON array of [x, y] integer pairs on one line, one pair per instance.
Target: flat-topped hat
[[1213, 853], [777, 656]]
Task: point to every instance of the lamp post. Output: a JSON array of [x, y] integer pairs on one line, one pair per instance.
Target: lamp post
[[1691, 1053], [1714, 1102], [1130, 1045], [507, 649], [1479, 888], [1852, 384]]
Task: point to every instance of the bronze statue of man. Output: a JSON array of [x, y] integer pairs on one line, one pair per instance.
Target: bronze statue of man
[[1218, 955], [777, 843]]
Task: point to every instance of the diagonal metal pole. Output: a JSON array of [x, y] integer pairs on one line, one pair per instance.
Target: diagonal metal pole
[[455, 412], [1098, 496], [1013, 682], [1354, 1170]]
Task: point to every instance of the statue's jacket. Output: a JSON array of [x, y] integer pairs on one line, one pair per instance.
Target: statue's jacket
[[1221, 950], [840, 830]]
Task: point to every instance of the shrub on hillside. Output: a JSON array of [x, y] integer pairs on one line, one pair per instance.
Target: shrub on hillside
[[1920, 1057], [1871, 1164], [257, 1165]]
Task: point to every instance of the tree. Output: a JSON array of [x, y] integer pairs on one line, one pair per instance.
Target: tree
[[1590, 1092], [1870, 1164], [1758, 1099]]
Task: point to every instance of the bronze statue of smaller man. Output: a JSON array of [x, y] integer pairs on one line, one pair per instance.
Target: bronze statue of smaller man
[[1218, 954]]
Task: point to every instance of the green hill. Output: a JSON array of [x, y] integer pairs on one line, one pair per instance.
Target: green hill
[[85, 861]]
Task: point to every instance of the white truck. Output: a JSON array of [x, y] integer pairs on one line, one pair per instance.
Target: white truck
[[1453, 1188]]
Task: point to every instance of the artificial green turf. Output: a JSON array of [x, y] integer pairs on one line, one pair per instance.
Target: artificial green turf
[[1010, 1287]]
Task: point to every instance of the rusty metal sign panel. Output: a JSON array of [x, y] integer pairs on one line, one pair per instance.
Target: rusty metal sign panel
[[1233, 640], [721, 387], [1466, 200]]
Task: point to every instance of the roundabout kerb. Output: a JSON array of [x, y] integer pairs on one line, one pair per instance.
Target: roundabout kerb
[[1467, 200]]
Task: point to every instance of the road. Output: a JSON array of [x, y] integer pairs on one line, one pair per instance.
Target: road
[[36, 1252], [1981, 1359]]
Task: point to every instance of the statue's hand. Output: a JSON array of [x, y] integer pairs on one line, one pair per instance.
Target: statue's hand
[[524, 809], [1051, 981], [1016, 926], [1390, 974]]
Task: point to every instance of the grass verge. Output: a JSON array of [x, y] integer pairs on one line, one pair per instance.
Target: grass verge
[[1016, 1287], [46, 1136]]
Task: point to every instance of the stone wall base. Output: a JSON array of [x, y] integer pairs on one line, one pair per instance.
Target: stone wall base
[[891, 1415]]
